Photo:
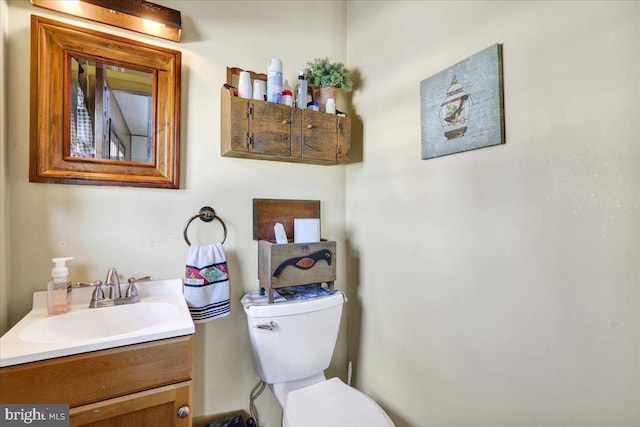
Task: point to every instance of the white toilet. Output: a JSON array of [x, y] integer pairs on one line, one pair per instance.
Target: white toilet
[[292, 344]]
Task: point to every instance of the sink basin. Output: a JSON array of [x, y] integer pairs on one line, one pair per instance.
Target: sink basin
[[161, 313], [97, 323]]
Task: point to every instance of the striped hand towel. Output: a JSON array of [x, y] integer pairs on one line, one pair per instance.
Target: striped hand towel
[[206, 283]]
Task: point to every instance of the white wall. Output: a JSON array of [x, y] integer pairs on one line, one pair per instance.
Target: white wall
[[4, 273], [139, 231], [499, 287]]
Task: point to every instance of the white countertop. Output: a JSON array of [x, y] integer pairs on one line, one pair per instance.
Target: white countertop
[[118, 325]]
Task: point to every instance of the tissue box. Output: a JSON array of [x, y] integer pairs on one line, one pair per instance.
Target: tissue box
[[281, 265]]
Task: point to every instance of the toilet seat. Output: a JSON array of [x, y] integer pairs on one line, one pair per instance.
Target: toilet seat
[[332, 403]]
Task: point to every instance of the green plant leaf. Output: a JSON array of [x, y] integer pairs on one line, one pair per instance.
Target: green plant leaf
[[321, 72]]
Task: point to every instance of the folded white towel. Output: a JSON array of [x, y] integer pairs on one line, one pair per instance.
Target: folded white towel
[[206, 283]]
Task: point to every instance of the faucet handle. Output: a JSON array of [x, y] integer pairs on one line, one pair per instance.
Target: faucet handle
[[132, 291], [98, 293], [132, 280], [87, 284]]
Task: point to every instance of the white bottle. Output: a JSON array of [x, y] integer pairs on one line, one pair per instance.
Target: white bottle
[[301, 92], [274, 80], [59, 288], [330, 107], [287, 94]]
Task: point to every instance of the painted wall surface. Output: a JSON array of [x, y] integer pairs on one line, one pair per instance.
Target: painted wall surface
[[4, 293], [498, 287], [139, 231], [489, 288]]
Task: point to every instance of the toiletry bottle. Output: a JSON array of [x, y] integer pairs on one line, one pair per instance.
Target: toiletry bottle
[[59, 288], [274, 80], [331, 106], [301, 91], [287, 98], [286, 86]]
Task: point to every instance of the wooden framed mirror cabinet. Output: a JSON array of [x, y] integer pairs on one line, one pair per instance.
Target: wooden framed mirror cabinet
[[105, 110]]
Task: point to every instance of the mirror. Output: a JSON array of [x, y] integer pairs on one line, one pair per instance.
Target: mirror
[[111, 111], [104, 110]]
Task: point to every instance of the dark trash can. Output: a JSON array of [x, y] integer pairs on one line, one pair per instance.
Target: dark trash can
[[226, 422]]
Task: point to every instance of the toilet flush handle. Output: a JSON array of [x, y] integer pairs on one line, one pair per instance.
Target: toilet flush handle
[[268, 326]]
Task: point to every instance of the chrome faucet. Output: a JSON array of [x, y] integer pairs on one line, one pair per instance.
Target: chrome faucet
[[114, 288], [114, 296]]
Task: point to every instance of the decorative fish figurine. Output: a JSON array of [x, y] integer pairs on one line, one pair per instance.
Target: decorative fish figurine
[[304, 262]]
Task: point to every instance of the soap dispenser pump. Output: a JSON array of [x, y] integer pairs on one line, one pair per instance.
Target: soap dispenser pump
[[59, 288]]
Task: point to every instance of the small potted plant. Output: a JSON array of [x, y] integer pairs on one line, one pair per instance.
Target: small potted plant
[[325, 78]]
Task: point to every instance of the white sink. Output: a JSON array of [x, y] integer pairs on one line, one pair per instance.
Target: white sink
[[97, 323], [161, 313]]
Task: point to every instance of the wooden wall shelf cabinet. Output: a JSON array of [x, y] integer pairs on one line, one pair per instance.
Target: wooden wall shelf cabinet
[[263, 130], [131, 386]]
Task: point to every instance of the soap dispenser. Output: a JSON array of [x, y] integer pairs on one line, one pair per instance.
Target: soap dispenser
[[59, 288]]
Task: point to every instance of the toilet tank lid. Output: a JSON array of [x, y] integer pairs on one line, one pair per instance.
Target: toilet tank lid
[[333, 403], [255, 306]]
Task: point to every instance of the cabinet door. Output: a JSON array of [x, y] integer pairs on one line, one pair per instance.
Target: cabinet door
[[270, 129], [151, 408], [234, 124], [319, 136]]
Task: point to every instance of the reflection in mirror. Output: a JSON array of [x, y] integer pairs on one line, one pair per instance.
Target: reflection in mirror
[[111, 110]]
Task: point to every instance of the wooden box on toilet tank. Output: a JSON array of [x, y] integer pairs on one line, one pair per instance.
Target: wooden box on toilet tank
[[290, 264]]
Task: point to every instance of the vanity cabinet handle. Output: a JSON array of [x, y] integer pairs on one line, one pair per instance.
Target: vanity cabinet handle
[[183, 412], [285, 122], [309, 126]]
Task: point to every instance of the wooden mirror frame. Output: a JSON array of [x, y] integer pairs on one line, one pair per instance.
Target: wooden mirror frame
[[52, 45]]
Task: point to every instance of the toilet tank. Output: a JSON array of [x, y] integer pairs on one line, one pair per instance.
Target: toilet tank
[[294, 339]]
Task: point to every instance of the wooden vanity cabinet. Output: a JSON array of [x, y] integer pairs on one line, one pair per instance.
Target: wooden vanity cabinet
[[147, 384], [264, 130], [156, 407]]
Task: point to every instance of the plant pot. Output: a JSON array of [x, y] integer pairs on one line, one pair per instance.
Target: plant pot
[[321, 94]]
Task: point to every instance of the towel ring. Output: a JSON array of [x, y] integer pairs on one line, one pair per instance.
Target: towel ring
[[206, 214]]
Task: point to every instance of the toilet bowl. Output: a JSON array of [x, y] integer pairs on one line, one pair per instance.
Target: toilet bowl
[[292, 344], [332, 403]]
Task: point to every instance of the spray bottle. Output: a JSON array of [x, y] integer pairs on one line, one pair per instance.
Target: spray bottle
[[301, 91], [59, 288], [274, 80]]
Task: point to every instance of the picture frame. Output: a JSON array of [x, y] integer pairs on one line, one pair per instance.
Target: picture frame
[[462, 107]]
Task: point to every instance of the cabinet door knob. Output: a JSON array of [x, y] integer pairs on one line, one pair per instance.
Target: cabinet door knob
[[285, 122], [309, 126], [183, 412]]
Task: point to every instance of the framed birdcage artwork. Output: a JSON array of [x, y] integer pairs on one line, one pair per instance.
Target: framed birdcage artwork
[[462, 107]]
